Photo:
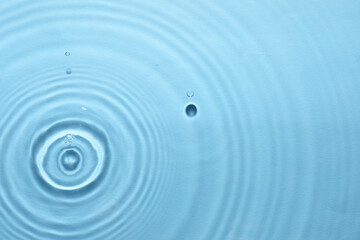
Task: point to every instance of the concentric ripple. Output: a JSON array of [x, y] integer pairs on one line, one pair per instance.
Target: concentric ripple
[[70, 155], [179, 120]]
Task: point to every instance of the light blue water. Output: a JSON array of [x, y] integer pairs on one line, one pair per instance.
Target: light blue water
[[180, 120]]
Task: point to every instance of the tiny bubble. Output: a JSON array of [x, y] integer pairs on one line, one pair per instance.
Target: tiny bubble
[[68, 71], [67, 53], [69, 137], [190, 93]]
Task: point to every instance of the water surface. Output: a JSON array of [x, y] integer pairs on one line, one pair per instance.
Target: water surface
[[180, 120]]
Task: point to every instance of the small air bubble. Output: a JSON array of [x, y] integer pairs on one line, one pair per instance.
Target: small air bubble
[[190, 93], [68, 71], [67, 54], [69, 137]]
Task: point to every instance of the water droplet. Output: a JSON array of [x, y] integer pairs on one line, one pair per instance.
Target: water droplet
[[70, 160], [68, 71], [190, 93], [84, 108], [67, 53], [191, 110]]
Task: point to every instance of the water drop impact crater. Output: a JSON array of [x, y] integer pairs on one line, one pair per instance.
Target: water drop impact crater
[[70, 160]]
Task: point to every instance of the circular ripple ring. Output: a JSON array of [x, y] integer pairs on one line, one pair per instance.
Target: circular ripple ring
[[73, 141]]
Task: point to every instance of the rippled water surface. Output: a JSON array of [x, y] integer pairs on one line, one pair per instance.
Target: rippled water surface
[[180, 120]]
